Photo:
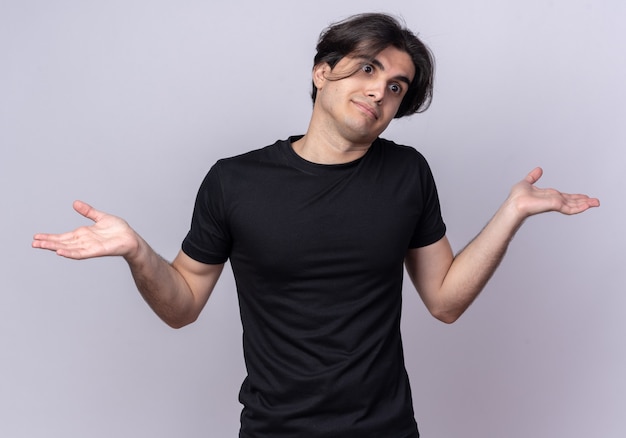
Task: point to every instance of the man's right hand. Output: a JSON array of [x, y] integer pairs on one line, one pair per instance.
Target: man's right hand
[[177, 292], [108, 236]]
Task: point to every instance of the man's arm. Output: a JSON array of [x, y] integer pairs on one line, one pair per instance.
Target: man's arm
[[449, 284], [176, 292]]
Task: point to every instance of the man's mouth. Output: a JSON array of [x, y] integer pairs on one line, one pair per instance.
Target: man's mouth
[[369, 109]]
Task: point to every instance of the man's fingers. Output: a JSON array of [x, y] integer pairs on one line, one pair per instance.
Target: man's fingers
[[51, 244], [87, 210], [534, 175], [40, 241], [71, 245], [577, 203], [52, 241]]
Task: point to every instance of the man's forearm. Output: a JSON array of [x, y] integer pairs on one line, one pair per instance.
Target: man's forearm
[[476, 263], [161, 286]]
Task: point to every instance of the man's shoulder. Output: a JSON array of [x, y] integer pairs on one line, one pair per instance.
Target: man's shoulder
[[255, 155], [400, 151], [256, 162], [277, 152]]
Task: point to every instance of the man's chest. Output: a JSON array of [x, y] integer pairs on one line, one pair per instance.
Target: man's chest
[[322, 221]]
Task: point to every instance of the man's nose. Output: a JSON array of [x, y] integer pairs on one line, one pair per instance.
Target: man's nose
[[376, 90]]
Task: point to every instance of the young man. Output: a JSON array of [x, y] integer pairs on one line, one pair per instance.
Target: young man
[[318, 229]]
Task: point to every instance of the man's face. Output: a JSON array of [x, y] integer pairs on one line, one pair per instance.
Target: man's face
[[359, 107]]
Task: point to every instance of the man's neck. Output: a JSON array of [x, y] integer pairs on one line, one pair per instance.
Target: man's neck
[[319, 148]]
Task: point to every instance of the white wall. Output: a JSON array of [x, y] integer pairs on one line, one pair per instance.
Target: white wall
[[126, 104]]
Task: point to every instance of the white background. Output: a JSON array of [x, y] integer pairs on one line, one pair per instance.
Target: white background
[[126, 104]]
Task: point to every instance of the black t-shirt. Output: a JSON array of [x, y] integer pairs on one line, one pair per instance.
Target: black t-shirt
[[317, 253]]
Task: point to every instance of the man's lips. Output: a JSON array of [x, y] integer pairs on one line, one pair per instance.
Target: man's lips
[[367, 108]]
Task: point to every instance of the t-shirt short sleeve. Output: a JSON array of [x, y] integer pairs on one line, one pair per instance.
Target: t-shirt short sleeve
[[430, 227], [209, 240]]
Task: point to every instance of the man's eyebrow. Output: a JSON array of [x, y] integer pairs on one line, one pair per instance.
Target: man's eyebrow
[[380, 66]]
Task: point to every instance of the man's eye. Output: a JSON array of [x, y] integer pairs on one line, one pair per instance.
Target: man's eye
[[367, 68], [395, 88]]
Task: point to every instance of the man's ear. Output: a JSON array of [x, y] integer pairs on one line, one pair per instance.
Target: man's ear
[[320, 72]]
